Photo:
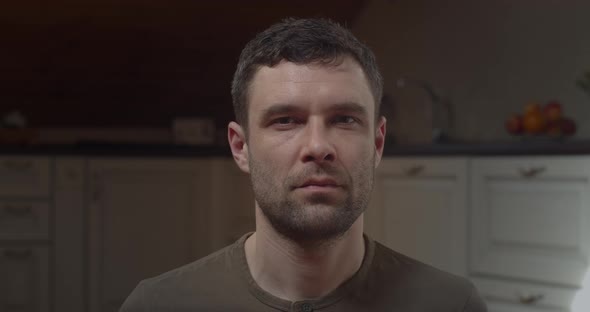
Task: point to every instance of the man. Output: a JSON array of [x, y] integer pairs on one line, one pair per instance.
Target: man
[[306, 96]]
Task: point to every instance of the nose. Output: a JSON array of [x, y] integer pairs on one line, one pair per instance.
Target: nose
[[317, 145]]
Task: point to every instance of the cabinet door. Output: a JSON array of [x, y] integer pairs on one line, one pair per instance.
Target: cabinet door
[[419, 209], [146, 217], [232, 203], [504, 295], [69, 240], [24, 219], [24, 176], [23, 279], [530, 218]]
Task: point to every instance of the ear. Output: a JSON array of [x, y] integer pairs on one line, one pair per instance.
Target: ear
[[380, 139], [238, 145]]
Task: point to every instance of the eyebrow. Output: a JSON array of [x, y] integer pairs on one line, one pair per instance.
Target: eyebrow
[[350, 107], [280, 109]]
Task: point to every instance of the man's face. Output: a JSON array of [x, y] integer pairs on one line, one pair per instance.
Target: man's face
[[312, 147]]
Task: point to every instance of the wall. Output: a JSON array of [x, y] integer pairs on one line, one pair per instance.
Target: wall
[[133, 63], [490, 57]]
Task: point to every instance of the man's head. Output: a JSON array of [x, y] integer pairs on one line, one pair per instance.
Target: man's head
[[301, 41], [313, 140]]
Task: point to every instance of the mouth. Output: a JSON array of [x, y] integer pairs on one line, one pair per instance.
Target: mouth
[[323, 183]]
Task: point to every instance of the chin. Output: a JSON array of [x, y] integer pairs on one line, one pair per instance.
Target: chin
[[314, 223]]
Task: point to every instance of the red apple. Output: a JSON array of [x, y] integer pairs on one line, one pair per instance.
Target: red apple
[[554, 129], [568, 126], [514, 125], [553, 111]]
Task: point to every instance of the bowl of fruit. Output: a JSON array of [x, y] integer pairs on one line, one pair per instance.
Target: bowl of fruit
[[541, 122]]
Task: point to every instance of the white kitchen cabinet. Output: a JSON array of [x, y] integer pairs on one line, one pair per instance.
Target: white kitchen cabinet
[[508, 295], [530, 222], [24, 219], [25, 176], [25, 238], [145, 217], [70, 239], [231, 210], [419, 209], [78, 233]]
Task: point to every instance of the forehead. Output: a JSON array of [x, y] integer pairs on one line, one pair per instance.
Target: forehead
[[310, 85]]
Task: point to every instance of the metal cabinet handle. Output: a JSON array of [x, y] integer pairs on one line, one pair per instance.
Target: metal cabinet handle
[[17, 254], [18, 210], [414, 170], [17, 164], [531, 172], [530, 298]]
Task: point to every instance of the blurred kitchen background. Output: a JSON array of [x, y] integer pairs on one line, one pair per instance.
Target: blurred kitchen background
[[114, 165]]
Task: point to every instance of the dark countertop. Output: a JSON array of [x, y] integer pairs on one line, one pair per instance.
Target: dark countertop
[[508, 148], [99, 149], [542, 147]]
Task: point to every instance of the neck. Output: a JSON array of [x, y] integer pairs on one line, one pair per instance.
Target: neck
[[293, 271]]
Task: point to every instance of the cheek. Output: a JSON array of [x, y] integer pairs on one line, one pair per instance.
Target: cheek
[[356, 150], [277, 150], [271, 163]]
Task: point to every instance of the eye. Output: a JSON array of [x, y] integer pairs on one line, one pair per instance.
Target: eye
[[284, 121], [347, 120]]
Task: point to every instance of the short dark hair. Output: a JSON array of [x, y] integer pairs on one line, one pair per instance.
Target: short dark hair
[[301, 41]]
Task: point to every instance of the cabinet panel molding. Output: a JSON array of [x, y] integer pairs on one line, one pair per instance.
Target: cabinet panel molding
[[24, 219], [419, 209], [531, 228], [25, 176], [24, 278], [145, 218]]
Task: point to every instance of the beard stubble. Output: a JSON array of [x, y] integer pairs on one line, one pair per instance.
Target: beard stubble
[[317, 218]]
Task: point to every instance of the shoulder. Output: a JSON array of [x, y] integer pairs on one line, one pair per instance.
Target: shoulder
[[195, 283], [210, 266], [409, 270], [413, 279]]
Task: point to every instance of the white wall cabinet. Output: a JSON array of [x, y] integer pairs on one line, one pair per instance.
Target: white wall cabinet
[[419, 209]]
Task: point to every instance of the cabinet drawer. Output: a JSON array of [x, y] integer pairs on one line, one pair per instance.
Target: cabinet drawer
[[501, 295], [24, 282], [425, 167], [529, 219], [24, 220], [530, 168], [24, 176]]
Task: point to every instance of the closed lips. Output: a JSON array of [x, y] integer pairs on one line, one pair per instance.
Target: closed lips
[[321, 183]]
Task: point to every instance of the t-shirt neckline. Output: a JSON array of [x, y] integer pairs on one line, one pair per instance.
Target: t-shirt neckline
[[336, 295]]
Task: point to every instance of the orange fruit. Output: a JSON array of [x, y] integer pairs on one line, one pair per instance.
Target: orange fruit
[[532, 108], [534, 123]]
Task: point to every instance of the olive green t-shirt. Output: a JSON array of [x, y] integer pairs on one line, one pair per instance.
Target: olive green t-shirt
[[386, 281]]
